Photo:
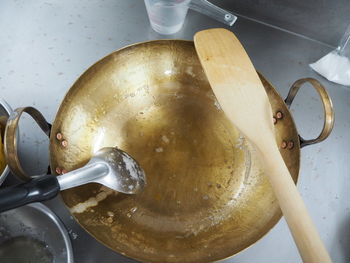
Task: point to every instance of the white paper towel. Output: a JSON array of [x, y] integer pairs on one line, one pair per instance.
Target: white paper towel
[[334, 67]]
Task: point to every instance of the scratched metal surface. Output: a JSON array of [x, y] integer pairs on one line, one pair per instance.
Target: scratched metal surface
[[46, 45]]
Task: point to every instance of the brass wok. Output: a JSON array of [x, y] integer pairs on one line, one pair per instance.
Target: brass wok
[[207, 197]]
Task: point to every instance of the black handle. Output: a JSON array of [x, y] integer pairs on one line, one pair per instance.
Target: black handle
[[39, 189]]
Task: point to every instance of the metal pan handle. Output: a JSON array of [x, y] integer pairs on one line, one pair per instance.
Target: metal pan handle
[[10, 140], [327, 106]]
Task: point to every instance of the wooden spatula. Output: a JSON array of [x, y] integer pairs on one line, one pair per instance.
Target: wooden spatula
[[242, 97]]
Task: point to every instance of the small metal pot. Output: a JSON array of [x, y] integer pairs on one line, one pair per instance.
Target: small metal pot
[[38, 232], [5, 110]]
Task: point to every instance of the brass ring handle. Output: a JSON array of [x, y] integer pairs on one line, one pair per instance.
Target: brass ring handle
[[327, 106], [10, 140]]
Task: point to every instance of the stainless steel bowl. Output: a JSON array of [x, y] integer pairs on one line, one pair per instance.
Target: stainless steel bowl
[[36, 233]]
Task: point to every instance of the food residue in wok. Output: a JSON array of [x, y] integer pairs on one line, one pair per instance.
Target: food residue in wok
[[92, 201]]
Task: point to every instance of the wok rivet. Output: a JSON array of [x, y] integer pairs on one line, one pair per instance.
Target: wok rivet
[[279, 115], [274, 120], [290, 145], [64, 143], [59, 136], [58, 170], [284, 145]]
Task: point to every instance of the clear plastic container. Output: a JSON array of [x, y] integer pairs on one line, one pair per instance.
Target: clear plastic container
[[167, 16]]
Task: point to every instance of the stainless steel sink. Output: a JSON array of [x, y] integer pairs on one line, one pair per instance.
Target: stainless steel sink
[[46, 45]]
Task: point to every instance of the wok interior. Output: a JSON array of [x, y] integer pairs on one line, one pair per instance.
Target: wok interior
[[206, 197]]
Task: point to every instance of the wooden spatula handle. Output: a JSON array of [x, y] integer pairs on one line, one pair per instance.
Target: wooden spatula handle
[[306, 237]]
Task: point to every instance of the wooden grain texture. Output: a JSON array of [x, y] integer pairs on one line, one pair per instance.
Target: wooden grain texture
[[242, 97]]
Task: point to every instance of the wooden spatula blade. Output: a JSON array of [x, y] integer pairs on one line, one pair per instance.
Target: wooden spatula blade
[[235, 77]]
